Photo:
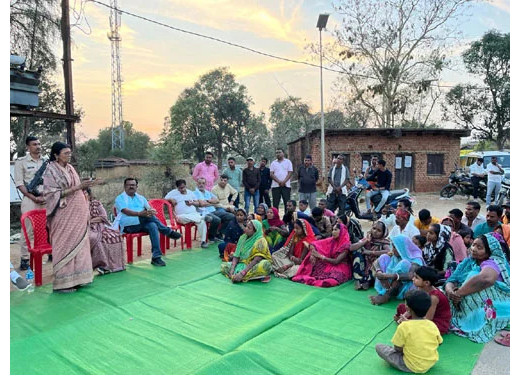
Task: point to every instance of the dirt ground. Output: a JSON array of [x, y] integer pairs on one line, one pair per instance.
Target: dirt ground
[[437, 206]]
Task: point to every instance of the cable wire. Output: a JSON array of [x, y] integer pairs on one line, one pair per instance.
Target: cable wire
[[258, 51]]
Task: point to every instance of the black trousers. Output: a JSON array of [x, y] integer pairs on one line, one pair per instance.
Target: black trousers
[[475, 181], [334, 201], [264, 197], [281, 192]]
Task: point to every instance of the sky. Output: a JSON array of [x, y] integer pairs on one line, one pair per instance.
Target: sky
[[159, 63]]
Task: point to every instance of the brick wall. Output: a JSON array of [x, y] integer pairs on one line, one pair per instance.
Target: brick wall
[[416, 144]]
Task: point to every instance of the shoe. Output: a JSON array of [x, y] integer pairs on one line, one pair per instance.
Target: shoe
[[102, 271], [24, 264], [21, 284], [218, 239], [65, 290], [158, 262], [204, 245], [175, 235]]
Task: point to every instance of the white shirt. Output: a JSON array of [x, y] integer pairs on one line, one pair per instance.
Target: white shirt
[[493, 178], [477, 221], [390, 221], [280, 171], [409, 231], [181, 207], [478, 169]]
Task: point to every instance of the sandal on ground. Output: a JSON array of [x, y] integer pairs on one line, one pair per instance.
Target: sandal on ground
[[503, 340], [267, 279], [65, 290]]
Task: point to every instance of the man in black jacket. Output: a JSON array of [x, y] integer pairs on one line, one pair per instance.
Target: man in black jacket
[[384, 179], [265, 182]]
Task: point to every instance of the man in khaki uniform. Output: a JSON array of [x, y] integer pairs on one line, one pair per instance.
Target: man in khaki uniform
[[24, 170]]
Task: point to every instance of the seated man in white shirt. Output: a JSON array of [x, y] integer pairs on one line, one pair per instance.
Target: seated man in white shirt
[[388, 214], [472, 217], [206, 208], [402, 227], [184, 202]]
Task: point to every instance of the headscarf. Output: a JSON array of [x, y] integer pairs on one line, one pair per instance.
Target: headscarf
[[469, 265], [245, 244], [431, 251], [403, 214], [266, 207], [407, 249], [383, 239], [275, 221], [333, 247], [307, 230], [456, 242]]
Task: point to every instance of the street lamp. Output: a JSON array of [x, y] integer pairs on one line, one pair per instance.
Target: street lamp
[[322, 23]]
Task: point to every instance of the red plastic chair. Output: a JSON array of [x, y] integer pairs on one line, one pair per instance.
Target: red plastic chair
[[159, 205], [130, 243], [41, 244], [174, 225]]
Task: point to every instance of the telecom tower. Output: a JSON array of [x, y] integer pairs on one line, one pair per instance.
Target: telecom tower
[[118, 134]]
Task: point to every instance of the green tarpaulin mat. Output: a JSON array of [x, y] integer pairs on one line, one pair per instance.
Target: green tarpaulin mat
[[187, 318]]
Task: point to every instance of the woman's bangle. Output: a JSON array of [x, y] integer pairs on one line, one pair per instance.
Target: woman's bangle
[[397, 276]]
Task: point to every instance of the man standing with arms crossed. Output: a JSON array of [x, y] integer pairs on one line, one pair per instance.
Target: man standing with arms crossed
[[24, 170], [281, 171]]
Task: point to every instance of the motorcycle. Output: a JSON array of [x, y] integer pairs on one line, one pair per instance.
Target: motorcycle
[[360, 187], [504, 194], [460, 183]]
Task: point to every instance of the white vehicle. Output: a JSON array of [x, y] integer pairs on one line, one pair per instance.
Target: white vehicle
[[503, 160]]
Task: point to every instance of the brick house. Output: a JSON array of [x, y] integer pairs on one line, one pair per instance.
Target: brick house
[[419, 159]]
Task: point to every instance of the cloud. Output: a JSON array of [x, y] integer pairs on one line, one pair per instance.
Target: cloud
[[503, 5]]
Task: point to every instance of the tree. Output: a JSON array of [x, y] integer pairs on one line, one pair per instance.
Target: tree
[[213, 115], [137, 143], [484, 109], [88, 153], [392, 50], [289, 119]]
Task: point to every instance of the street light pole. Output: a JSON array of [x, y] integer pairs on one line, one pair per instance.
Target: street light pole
[[322, 22]]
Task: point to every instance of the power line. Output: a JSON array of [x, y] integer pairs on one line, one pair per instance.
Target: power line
[[257, 51]]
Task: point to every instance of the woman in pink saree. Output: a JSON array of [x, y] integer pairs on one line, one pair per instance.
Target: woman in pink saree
[[326, 263], [106, 244], [67, 221]]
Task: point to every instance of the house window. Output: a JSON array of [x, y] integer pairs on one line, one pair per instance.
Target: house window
[[435, 165]]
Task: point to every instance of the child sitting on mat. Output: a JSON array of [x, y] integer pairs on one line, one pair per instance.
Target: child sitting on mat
[[416, 340], [439, 312]]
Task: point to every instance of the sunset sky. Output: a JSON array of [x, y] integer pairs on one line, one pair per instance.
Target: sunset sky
[[159, 63]]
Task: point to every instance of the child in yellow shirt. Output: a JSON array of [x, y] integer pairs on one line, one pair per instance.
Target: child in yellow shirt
[[415, 341]]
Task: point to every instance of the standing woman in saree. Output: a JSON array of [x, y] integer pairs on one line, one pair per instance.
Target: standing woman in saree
[[394, 272], [326, 263], [274, 229], [287, 259], [67, 221], [252, 259], [479, 291], [106, 244]]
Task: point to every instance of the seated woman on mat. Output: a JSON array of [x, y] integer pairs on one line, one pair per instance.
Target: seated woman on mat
[[456, 241], [106, 244], [261, 212], [274, 229], [288, 258], [437, 252], [234, 230], [439, 312], [395, 270], [479, 291], [326, 263], [366, 251], [252, 259]]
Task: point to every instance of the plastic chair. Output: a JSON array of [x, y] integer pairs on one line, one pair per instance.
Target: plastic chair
[[174, 225], [130, 243], [159, 205], [41, 244]]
